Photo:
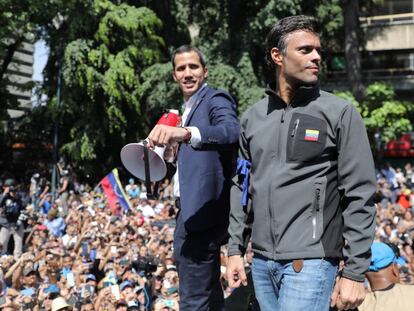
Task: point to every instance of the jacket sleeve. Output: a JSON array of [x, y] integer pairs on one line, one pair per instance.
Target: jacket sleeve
[[224, 126], [356, 182], [241, 214]]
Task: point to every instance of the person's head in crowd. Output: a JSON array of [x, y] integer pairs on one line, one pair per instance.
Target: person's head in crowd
[[133, 306], [71, 229], [52, 214], [131, 233], [90, 279], [157, 284], [127, 290], [143, 251], [408, 216], [60, 304], [6, 262], [51, 292], [29, 276], [383, 270], [140, 240], [121, 305], [67, 261], [88, 306], [42, 231]]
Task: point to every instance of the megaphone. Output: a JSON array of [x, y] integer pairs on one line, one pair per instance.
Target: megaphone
[[145, 163], [132, 157]]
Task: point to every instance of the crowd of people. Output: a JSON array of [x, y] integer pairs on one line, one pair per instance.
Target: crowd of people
[[86, 256], [394, 199], [91, 257]]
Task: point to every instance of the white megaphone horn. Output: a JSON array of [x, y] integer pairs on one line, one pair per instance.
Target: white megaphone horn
[[133, 155]]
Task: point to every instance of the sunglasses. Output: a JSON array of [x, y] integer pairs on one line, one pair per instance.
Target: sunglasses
[[52, 296]]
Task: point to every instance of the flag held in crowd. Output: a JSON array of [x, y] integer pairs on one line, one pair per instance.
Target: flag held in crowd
[[114, 191]]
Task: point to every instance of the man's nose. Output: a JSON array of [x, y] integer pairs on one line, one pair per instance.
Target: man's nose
[[316, 56], [187, 71]]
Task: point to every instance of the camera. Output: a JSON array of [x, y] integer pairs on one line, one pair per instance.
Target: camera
[[145, 265], [22, 218]]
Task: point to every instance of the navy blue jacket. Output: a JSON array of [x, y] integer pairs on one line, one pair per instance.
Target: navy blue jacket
[[205, 173]]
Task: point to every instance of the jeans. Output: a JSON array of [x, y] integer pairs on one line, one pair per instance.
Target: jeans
[[17, 233], [279, 288]]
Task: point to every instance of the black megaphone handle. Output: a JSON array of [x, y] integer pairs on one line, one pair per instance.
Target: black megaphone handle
[[150, 194]]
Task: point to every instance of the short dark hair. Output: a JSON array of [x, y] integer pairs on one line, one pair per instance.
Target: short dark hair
[[188, 48], [276, 38]]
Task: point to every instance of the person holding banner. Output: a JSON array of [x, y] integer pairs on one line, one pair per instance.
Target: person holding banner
[[207, 144]]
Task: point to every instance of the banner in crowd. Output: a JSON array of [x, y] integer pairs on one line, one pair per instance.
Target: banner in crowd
[[114, 191]]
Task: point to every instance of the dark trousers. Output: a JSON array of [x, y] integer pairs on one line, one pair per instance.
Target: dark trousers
[[197, 258]]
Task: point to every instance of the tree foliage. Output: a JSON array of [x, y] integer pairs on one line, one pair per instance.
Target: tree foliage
[[102, 106], [382, 113], [113, 58]]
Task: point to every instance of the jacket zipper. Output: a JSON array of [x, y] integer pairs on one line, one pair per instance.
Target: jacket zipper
[[279, 159], [295, 128], [316, 208]]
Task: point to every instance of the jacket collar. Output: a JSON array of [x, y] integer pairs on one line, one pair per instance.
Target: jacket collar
[[302, 96]]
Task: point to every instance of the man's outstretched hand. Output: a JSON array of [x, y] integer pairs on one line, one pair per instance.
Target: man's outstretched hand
[[162, 135]]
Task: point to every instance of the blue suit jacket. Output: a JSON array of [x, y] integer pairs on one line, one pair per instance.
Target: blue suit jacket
[[205, 173]]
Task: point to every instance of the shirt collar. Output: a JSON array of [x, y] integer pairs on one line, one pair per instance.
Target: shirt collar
[[190, 102]]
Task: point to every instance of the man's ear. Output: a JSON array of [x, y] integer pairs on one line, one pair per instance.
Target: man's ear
[[276, 56], [173, 75], [205, 72], [396, 271]]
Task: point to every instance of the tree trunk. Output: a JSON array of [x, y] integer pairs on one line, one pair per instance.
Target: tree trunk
[[352, 55]]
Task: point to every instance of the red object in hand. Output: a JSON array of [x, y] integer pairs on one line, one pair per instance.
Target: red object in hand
[[170, 118]]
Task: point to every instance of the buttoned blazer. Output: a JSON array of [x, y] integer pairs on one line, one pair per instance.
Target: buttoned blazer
[[205, 172]]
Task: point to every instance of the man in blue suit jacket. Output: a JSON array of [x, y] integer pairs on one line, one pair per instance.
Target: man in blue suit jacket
[[208, 141]]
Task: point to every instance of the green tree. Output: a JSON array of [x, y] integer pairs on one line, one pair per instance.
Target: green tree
[[102, 63], [382, 112], [19, 23]]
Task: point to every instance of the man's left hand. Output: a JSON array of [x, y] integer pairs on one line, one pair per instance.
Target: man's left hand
[[162, 135], [347, 294]]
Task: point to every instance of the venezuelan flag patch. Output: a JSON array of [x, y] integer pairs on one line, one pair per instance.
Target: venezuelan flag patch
[[311, 135]]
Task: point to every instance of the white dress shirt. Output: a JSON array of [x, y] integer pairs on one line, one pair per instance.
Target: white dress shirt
[[195, 140]]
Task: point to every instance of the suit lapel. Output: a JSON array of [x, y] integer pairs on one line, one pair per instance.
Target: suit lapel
[[198, 100]]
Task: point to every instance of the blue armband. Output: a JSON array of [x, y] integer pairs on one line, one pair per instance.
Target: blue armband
[[243, 169]]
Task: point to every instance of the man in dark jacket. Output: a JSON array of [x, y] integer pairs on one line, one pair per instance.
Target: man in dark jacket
[[10, 211], [208, 141], [305, 182]]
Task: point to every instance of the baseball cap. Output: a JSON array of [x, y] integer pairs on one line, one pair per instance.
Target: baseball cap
[[52, 289], [382, 256], [90, 277], [126, 284], [28, 270]]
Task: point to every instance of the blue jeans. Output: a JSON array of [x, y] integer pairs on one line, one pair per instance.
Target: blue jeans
[[278, 287]]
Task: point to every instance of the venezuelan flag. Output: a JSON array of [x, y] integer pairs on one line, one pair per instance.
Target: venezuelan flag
[[114, 191], [312, 135]]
